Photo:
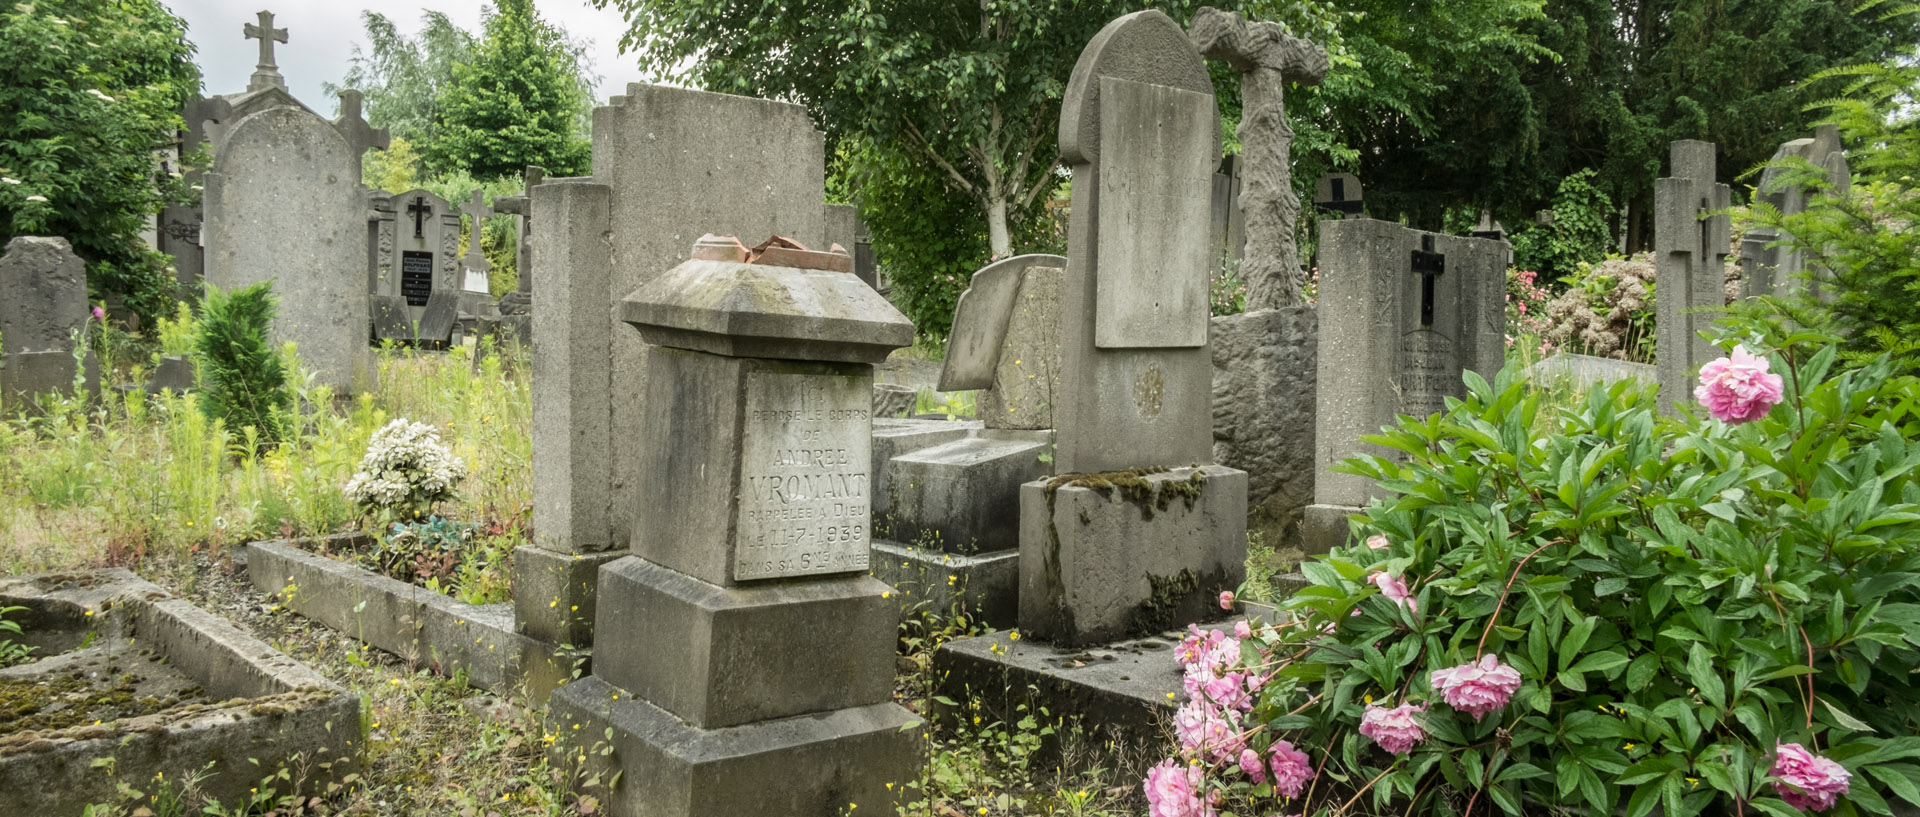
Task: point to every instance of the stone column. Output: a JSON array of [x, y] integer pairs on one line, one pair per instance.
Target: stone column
[[744, 657], [1690, 257]]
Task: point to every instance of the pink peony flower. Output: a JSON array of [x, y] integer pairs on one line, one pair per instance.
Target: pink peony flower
[[1226, 599], [1477, 689], [1807, 780], [1250, 763], [1204, 732], [1173, 790], [1291, 771], [1395, 589], [1242, 630], [1738, 389], [1396, 730], [1377, 541]]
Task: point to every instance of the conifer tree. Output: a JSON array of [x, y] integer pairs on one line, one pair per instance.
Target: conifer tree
[[516, 102]]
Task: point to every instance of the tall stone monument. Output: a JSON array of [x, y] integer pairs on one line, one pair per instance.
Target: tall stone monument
[[1266, 58], [41, 315], [476, 298], [416, 276], [516, 307], [744, 638], [1690, 257], [1773, 270], [1139, 531], [1407, 312]]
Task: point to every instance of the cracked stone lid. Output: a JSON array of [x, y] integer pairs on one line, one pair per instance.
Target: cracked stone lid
[[778, 300]]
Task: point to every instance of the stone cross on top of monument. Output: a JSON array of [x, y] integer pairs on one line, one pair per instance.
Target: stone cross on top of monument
[[360, 136], [477, 210], [1267, 58], [266, 73]]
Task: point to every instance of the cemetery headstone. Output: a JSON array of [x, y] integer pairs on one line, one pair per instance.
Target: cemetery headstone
[[41, 316], [1769, 270], [475, 297], [744, 632], [1228, 236], [1339, 193], [417, 277], [284, 204], [1139, 129], [180, 224], [1690, 255], [1409, 312], [265, 89], [1266, 58]]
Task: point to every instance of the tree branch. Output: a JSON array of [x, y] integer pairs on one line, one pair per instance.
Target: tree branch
[[920, 141]]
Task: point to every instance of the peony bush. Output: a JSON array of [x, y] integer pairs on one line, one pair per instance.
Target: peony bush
[[1718, 614]]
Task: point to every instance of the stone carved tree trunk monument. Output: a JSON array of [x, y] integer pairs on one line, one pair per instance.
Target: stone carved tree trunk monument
[[743, 657], [1267, 58]]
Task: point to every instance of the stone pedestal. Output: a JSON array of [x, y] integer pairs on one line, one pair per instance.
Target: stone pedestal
[[743, 659]]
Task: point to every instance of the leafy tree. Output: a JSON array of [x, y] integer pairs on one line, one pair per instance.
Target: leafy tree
[[1578, 233], [92, 88], [403, 77], [518, 101], [243, 380]]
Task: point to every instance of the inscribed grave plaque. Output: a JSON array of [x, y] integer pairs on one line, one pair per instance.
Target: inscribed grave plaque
[[1429, 372], [1157, 148], [416, 277], [804, 460]]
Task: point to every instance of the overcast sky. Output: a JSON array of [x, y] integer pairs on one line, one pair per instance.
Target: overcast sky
[[321, 35]]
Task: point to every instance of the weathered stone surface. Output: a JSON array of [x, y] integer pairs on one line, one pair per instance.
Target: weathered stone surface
[[175, 373], [553, 593], [1687, 279], [1264, 372], [812, 765], [1587, 371], [1077, 587], [683, 163], [46, 295], [284, 204], [842, 222], [985, 585], [1026, 378], [754, 310], [980, 320], [1266, 58], [1403, 336], [266, 706], [572, 382], [25, 376], [1780, 270], [894, 437], [964, 496], [1134, 405], [892, 400], [719, 656]]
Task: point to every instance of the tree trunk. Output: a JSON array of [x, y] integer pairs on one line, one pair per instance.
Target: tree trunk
[[997, 237]]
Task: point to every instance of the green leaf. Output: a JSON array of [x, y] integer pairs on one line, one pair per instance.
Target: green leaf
[[1576, 639], [1844, 720], [1701, 672], [1901, 778], [1600, 662]]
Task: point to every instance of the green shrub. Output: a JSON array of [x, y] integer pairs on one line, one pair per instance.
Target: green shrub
[[1578, 234], [243, 379], [11, 653], [1679, 599]]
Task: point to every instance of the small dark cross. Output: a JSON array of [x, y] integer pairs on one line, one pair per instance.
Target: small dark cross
[[1428, 265], [419, 209], [267, 35]]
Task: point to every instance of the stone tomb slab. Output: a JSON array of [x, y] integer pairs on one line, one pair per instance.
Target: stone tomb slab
[[987, 585], [1159, 145], [980, 320], [964, 496], [203, 692]]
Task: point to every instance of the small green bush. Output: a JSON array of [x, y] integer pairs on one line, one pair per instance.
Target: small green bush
[[1578, 234], [243, 379]]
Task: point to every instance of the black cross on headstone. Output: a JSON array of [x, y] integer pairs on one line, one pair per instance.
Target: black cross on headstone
[[1428, 265], [419, 209]]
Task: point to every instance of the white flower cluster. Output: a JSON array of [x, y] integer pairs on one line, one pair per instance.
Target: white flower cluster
[[405, 462]]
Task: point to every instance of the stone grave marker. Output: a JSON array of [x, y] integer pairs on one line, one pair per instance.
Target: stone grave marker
[[1408, 312], [359, 135], [475, 297], [517, 306], [180, 224], [44, 307], [1139, 128], [417, 276], [1768, 270], [1266, 58], [266, 72], [1339, 193], [744, 632], [1228, 236], [1690, 255], [284, 204]]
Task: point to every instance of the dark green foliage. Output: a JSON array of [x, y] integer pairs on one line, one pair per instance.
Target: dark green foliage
[[91, 88], [430, 549], [243, 380], [404, 77], [516, 102], [1578, 234]]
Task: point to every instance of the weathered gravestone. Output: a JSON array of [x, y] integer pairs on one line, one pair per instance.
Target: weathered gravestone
[[656, 158], [1407, 312], [744, 633], [1339, 193], [1690, 256], [416, 277], [1774, 270], [1227, 238], [1266, 58], [1138, 532], [42, 313], [180, 224], [284, 204], [516, 307], [476, 299], [1264, 368]]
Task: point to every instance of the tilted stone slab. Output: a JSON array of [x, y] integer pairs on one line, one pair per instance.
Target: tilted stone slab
[[980, 321]]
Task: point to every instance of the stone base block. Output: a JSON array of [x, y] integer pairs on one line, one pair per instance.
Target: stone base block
[[985, 586], [1108, 556], [722, 656], [809, 765], [963, 496], [892, 438], [1325, 527], [553, 593], [24, 376], [517, 329]]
